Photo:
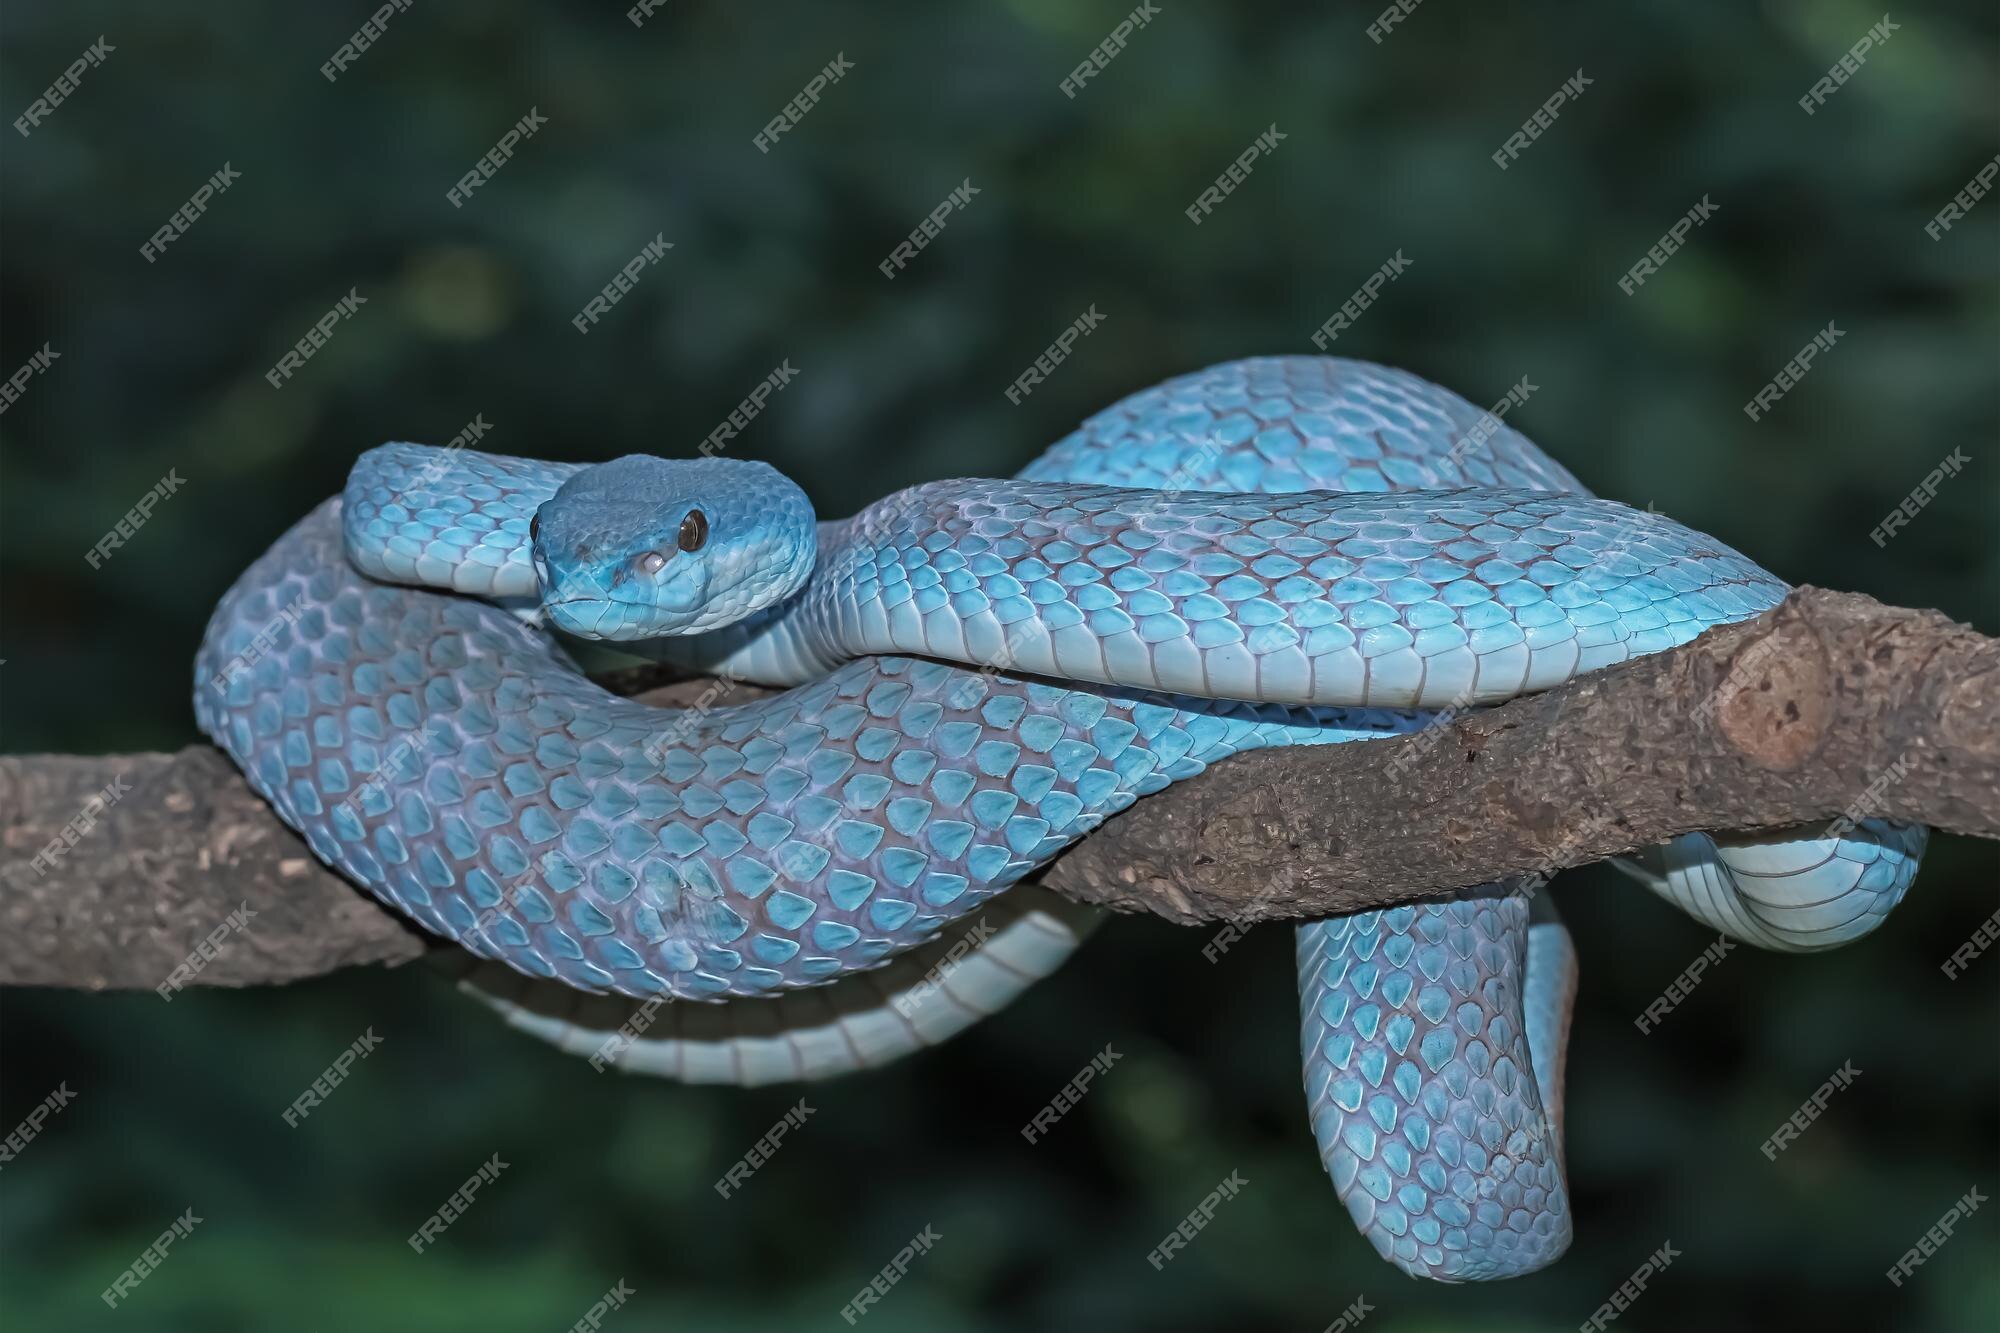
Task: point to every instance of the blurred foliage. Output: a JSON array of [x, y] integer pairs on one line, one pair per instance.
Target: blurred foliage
[[1511, 274]]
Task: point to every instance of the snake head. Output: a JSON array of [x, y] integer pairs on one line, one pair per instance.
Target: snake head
[[642, 547]]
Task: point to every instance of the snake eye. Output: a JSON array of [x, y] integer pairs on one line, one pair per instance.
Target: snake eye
[[694, 530], [535, 527], [652, 562]]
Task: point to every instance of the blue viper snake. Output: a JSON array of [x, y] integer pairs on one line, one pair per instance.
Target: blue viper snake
[[1279, 551]]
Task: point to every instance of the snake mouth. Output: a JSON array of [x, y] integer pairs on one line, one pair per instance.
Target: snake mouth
[[622, 603], [548, 605], [596, 615]]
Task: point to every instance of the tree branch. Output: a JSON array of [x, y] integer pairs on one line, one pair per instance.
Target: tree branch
[[1829, 704]]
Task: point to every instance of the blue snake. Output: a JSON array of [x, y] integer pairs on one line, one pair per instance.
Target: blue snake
[[1278, 551]]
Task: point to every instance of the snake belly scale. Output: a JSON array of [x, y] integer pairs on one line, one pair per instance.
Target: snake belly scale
[[1280, 551]]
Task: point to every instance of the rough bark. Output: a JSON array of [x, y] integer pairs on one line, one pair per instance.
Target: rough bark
[[1829, 705]]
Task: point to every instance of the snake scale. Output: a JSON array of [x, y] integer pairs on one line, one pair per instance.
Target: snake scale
[[1278, 551]]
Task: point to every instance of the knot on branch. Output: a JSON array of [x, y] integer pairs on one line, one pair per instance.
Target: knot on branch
[[1775, 698]]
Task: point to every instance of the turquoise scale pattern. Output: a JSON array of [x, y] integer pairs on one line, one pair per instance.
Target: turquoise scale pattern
[[447, 518], [1280, 424], [1393, 600], [454, 762], [1422, 1086]]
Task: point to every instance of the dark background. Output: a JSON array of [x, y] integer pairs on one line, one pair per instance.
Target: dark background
[[1511, 274]]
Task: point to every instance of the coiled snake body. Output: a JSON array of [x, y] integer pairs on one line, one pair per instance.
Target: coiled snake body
[[1282, 551]]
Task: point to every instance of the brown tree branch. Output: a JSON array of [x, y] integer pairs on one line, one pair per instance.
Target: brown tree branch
[[1829, 704]]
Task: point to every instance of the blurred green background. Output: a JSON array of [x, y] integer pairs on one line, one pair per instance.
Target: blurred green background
[[649, 130]]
